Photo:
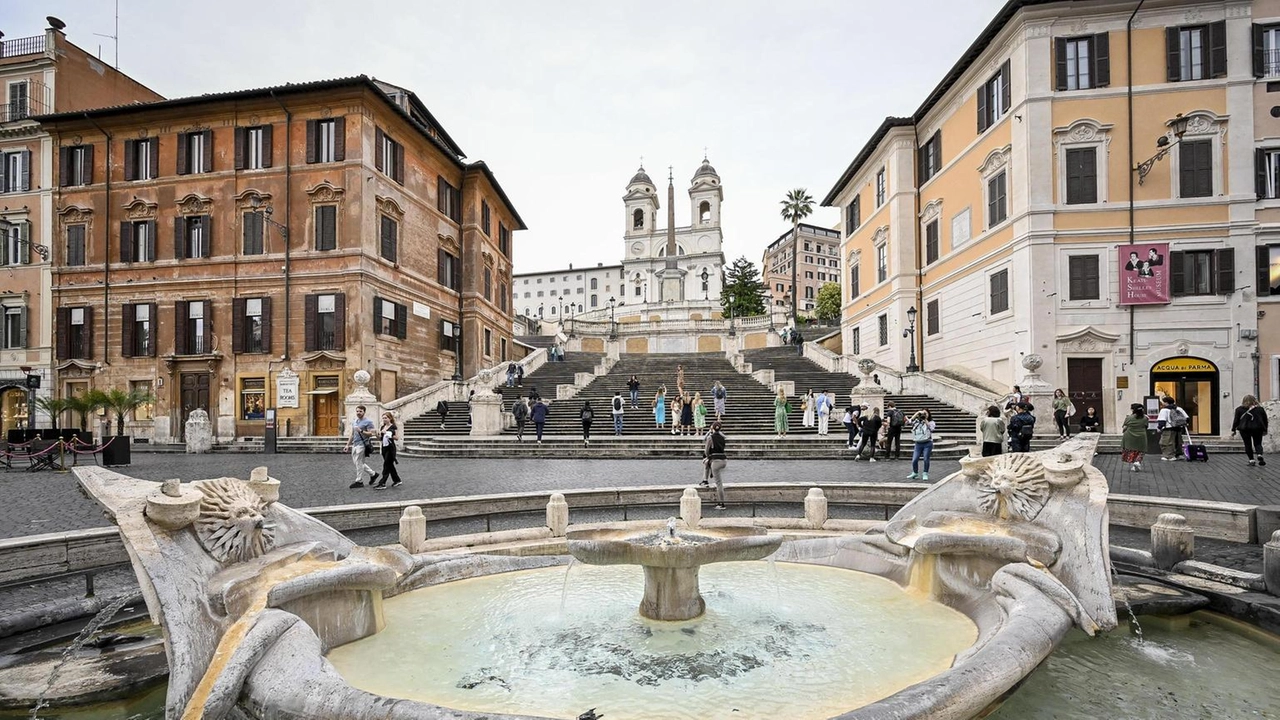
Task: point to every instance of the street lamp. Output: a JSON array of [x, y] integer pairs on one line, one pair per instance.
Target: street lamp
[[613, 325], [1178, 125], [264, 210], [7, 227], [572, 313], [705, 286], [910, 332]]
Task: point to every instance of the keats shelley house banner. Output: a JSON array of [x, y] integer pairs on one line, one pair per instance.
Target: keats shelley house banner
[[1144, 274]]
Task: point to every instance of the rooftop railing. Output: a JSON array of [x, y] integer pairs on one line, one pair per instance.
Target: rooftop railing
[[33, 45]]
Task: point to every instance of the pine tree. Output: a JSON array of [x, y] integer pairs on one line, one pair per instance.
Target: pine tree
[[743, 293]]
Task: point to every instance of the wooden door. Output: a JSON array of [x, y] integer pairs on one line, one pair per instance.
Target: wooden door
[[195, 395], [1084, 387], [325, 408]]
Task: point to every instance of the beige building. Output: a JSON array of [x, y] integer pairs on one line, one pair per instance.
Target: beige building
[[1004, 207], [819, 264]]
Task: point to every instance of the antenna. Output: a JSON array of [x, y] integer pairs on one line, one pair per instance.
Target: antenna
[[115, 39]]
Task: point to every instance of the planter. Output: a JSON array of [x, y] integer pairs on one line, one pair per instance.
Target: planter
[[117, 451]]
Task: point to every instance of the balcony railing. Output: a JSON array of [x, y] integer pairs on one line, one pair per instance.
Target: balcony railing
[[39, 101], [33, 45], [1271, 63]]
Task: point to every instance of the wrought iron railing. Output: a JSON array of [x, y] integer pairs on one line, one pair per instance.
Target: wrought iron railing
[[38, 101], [22, 46], [1271, 63]]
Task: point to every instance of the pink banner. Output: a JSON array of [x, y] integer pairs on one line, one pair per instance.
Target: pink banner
[[1144, 274]]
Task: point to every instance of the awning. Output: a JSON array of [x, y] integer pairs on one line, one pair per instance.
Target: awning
[[325, 391]]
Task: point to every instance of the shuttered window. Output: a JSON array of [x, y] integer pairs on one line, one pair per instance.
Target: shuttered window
[[1083, 277], [76, 166], [994, 98], [997, 199], [932, 318], [138, 330], [999, 292], [253, 149], [853, 215], [388, 156], [389, 239], [195, 152], [193, 327], [16, 169], [15, 326], [449, 270], [1081, 63], [324, 326], [448, 199], [141, 159], [253, 231], [138, 241], [1195, 168], [75, 245], [74, 331], [1196, 52], [931, 242], [450, 335], [930, 157], [192, 236], [390, 318], [326, 140], [1082, 176], [484, 217], [504, 240], [326, 227], [854, 288], [1202, 272], [251, 325]]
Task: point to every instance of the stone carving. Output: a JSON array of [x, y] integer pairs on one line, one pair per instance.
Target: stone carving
[[1032, 362], [140, 210], [388, 206], [931, 210], [448, 242], [326, 193], [199, 432], [995, 160], [194, 204], [247, 199], [1012, 485], [1082, 131], [231, 526], [881, 235], [867, 366], [361, 379], [75, 215]]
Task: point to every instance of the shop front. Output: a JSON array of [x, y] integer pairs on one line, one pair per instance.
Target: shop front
[[1194, 383], [13, 409]]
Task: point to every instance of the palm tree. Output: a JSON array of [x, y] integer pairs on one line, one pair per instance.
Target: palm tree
[[121, 402], [797, 206], [84, 405], [54, 407]]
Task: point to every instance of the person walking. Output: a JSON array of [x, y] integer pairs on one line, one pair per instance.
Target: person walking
[[807, 404], [847, 421], [359, 444], [442, 407], [539, 413], [992, 430], [718, 397], [1090, 422], [824, 413], [511, 375], [1133, 441], [471, 396], [660, 406], [588, 416], [633, 387], [699, 415], [618, 409], [780, 409], [520, 411], [1171, 421], [1062, 412], [387, 433], [1251, 422], [519, 376], [871, 425], [713, 456], [1021, 429], [922, 427], [894, 420]]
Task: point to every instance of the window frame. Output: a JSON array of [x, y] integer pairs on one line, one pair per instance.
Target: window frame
[[1083, 134], [1079, 283], [71, 255], [994, 312], [388, 238], [1083, 196], [882, 327], [319, 238], [253, 233], [11, 100], [881, 187], [932, 318], [882, 261]]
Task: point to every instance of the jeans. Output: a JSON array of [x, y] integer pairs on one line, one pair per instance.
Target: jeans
[[853, 432], [1252, 442], [893, 441], [520, 429], [538, 427], [921, 450], [363, 471], [586, 430], [635, 399], [617, 424]]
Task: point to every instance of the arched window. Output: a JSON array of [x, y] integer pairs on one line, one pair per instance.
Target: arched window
[[704, 212], [637, 219]]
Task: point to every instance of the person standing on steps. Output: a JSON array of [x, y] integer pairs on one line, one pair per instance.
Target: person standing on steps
[[1062, 412], [617, 408], [520, 411], [511, 375], [922, 427], [360, 444], [808, 405], [992, 431], [679, 380], [519, 376], [718, 397], [1171, 421], [1022, 427], [870, 434], [387, 433], [1133, 441], [824, 413], [675, 412], [1251, 422], [539, 413], [686, 414], [471, 397], [699, 415], [714, 457], [781, 408], [894, 420], [660, 406], [847, 421], [442, 407], [588, 416], [633, 387]]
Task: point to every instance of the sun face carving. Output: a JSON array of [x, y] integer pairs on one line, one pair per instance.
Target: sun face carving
[[1012, 486], [231, 526]]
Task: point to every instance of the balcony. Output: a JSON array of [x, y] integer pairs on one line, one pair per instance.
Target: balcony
[[17, 47], [1271, 63], [38, 101]]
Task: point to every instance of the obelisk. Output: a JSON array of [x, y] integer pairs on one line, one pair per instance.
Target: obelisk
[[671, 274]]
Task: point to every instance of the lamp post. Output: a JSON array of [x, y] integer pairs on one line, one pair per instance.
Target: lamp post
[[910, 332], [613, 325], [1178, 126], [705, 285], [572, 314]]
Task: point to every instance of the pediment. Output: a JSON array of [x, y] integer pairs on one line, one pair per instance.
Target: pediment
[[1087, 339]]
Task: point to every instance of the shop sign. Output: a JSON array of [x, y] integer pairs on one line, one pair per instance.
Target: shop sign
[[1184, 365], [287, 389], [1144, 276]]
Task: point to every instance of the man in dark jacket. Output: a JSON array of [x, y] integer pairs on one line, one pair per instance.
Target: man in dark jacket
[[539, 415], [1021, 428], [713, 459], [520, 411], [870, 432]]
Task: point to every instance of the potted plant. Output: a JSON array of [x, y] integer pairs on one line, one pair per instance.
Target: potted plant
[[54, 407], [121, 403]]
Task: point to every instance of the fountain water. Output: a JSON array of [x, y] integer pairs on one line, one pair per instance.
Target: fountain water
[[94, 625]]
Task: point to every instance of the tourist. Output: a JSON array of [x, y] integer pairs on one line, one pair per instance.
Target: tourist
[[714, 460], [718, 397], [1022, 426], [680, 380], [519, 376], [442, 407], [660, 406], [539, 413], [1133, 441], [856, 419], [798, 340], [618, 410], [588, 416], [922, 427], [807, 404], [471, 396], [992, 431], [894, 420], [534, 396], [511, 374], [1062, 412], [388, 434], [520, 411], [847, 420], [824, 413], [780, 410], [1251, 422], [1090, 422], [677, 404], [633, 387], [359, 444], [870, 434], [699, 415], [1015, 400], [1171, 421], [686, 414]]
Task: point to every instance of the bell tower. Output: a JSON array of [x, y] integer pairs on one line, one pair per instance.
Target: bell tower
[[705, 195], [642, 205]]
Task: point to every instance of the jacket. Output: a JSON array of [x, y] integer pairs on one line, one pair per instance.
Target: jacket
[[871, 425], [713, 449], [1017, 422], [992, 430], [1135, 433], [539, 411], [1253, 418], [520, 411]]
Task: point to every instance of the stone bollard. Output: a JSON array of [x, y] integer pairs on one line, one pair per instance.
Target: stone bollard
[[815, 508], [413, 529], [1172, 541], [557, 515], [1271, 564], [691, 508]]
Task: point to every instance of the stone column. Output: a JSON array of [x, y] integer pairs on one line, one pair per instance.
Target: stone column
[[1039, 394], [199, 432], [1271, 564], [691, 508], [558, 515], [867, 392], [1271, 441], [413, 529], [1172, 541], [815, 508]]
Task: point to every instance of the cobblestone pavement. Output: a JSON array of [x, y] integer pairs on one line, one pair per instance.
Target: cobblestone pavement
[[33, 503]]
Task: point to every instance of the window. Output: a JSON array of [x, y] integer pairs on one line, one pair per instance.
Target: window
[[854, 290], [449, 271], [488, 342], [448, 199], [1195, 168], [594, 302], [484, 216], [326, 227], [637, 219], [1266, 51], [504, 240], [253, 398], [253, 147], [808, 292], [138, 330], [142, 159], [808, 274], [144, 411], [883, 323], [326, 140], [1082, 271], [75, 245], [192, 236], [488, 284], [251, 325], [853, 215], [855, 342], [1196, 52], [1082, 176], [138, 241], [194, 332], [502, 296], [595, 283], [638, 291], [75, 333], [450, 333], [15, 327], [324, 324], [930, 157], [388, 239], [932, 318], [17, 171], [76, 165], [502, 343], [253, 227], [931, 251], [999, 292], [19, 100], [997, 199], [390, 318], [880, 188], [1081, 63], [882, 262], [1202, 272], [195, 152], [388, 156], [16, 246], [993, 98]]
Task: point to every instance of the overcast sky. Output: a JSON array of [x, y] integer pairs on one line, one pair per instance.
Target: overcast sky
[[562, 98]]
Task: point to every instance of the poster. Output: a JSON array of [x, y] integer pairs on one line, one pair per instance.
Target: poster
[[1144, 274]]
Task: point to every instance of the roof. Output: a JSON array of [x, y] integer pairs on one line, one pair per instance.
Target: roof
[[566, 271], [488, 174], [705, 169], [820, 231], [865, 154], [640, 177]]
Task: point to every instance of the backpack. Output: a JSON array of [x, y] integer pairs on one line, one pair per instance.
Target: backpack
[[895, 418], [617, 403], [588, 415], [920, 432], [1177, 417], [720, 393]]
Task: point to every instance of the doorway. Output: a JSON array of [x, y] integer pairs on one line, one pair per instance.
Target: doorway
[[194, 395], [13, 405], [1084, 387], [1193, 382], [324, 405]]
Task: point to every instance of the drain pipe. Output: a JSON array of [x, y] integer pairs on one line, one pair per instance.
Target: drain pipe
[[919, 299], [288, 196], [1128, 50], [106, 248]]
